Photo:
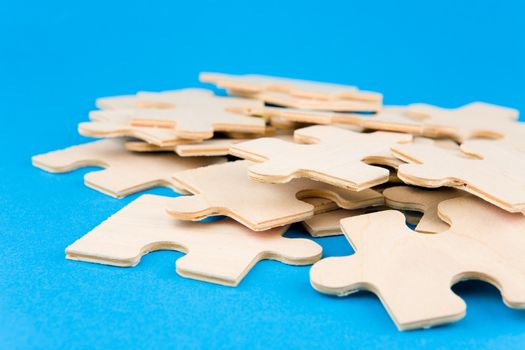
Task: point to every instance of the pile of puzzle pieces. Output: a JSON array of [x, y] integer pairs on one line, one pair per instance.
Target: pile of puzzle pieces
[[277, 151]]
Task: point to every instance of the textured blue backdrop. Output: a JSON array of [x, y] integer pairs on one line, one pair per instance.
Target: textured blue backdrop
[[56, 57]]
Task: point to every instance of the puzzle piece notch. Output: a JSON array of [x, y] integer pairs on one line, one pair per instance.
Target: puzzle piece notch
[[125, 172], [220, 252], [338, 157], [497, 177], [416, 271], [257, 205], [191, 113], [424, 201]]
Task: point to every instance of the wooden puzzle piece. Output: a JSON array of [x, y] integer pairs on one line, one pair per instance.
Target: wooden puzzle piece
[[219, 252], [125, 172], [412, 273], [496, 174], [161, 137], [207, 148], [117, 102], [338, 156], [474, 120], [336, 105], [424, 201], [395, 119], [251, 84], [327, 224], [225, 189], [191, 113], [294, 115]]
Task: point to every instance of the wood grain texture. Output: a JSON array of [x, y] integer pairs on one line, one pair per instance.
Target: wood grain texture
[[333, 155], [125, 172], [412, 273], [489, 169], [219, 252], [191, 113], [225, 189]]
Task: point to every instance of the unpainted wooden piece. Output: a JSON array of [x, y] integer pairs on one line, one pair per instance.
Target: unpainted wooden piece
[[474, 120], [327, 224], [219, 252], [125, 172], [251, 84], [161, 137], [191, 113], [225, 189], [412, 273], [335, 105], [338, 156], [424, 201], [294, 115], [207, 148], [496, 174]]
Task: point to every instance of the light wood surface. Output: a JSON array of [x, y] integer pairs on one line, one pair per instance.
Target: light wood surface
[[412, 273], [192, 113], [125, 172], [225, 189], [489, 169], [425, 201], [338, 156], [219, 252]]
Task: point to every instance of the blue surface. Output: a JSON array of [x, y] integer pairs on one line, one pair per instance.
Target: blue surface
[[56, 57]]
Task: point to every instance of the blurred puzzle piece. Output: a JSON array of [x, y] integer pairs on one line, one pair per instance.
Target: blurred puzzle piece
[[125, 172], [191, 113]]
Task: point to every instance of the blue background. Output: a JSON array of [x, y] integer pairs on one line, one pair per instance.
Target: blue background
[[56, 57]]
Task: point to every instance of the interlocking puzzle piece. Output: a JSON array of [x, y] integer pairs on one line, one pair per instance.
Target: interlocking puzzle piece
[[220, 252], [254, 84], [474, 120], [294, 115], [338, 156], [327, 224], [496, 174], [207, 148], [424, 201], [395, 119], [225, 189], [412, 273], [192, 113], [161, 137], [125, 172], [336, 105]]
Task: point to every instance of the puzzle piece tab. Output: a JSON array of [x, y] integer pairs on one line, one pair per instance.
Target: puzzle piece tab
[[338, 156], [191, 113], [497, 175], [219, 252], [125, 172], [225, 189], [412, 273], [424, 201]]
